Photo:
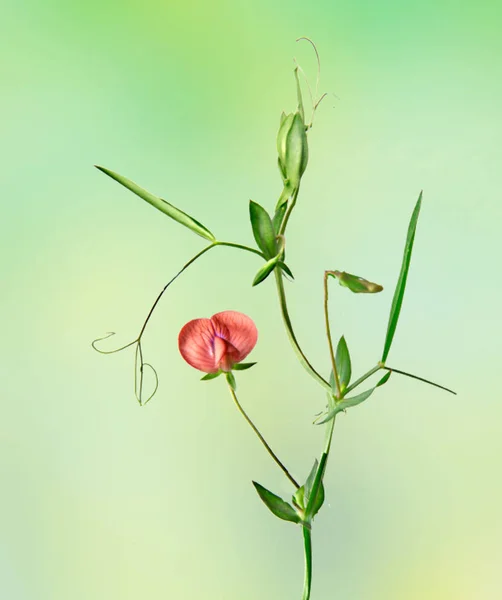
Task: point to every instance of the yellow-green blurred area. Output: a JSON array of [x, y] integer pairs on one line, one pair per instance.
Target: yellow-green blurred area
[[104, 500]]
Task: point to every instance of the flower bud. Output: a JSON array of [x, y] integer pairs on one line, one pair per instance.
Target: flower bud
[[292, 147]]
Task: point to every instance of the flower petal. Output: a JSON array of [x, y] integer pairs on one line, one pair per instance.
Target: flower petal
[[196, 345], [238, 330]]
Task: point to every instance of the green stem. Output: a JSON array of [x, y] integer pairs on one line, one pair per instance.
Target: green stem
[[363, 378], [330, 341], [262, 439], [307, 541], [289, 210], [291, 334]]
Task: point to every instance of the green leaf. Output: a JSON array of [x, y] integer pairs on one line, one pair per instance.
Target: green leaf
[[346, 403], [165, 207], [397, 301], [263, 230], [286, 269], [384, 379], [277, 505], [356, 284], [343, 365], [355, 400], [319, 499], [299, 96], [210, 376], [265, 270], [243, 366], [299, 497], [231, 380]]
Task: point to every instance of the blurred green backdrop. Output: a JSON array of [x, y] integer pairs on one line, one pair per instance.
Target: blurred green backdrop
[[102, 499]]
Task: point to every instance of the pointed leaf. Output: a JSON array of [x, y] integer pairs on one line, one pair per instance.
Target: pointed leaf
[[165, 207], [299, 96], [343, 365], [299, 497], [384, 379], [243, 366], [356, 284], [397, 301], [231, 380], [265, 271], [355, 400], [210, 376], [319, 500], [286, 269], [346, 403], [263, 230], [277, 505]]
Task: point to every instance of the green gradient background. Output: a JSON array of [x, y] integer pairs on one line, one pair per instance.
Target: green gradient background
[[103, 500]]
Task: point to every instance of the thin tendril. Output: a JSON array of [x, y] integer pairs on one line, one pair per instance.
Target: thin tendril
[[313, 99], [139, 364], [441, 387], [318, 61], [109, 335], [156, 387]]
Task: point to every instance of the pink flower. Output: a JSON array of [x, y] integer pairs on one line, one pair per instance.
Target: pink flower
[[217, 343]]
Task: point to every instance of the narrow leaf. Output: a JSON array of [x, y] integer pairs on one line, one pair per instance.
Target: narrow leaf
[[397, 301], [355, 400], [310, 480], [210, 376], [263, 230], [165, 207], [357, 285], [286, 269], [277, 505], [346, 403], [301, 110], [265, 270], [343, 365], [299, 497], [384, 379], [243, 366], [319, 500], [231, 380]]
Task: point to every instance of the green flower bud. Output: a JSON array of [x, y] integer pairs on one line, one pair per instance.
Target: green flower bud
[[292, 147]]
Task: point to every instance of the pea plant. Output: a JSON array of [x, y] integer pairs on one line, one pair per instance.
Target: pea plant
[[217, 346]]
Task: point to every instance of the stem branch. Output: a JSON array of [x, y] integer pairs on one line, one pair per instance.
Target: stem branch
[[262, 439], [291, 334], [363, 378]]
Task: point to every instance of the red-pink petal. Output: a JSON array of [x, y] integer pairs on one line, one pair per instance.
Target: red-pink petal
[[196, 345], [237, 329]]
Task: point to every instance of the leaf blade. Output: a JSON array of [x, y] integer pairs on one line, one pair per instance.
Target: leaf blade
[[263, 229], [397, 300], [161, 204], [279, 507]]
